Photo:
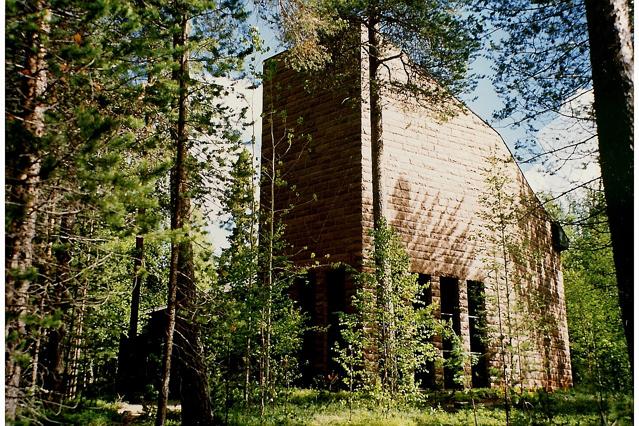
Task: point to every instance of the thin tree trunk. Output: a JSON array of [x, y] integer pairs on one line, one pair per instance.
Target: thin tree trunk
[[266, 318], [611, 57], [35, 369], [126, 359], [137, 283], [504, 255], [24, 181], [382, 266], [57, 347], [76, 345], [377, 141]]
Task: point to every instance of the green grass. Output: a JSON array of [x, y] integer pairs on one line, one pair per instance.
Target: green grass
[[307, 407], [311, 407]]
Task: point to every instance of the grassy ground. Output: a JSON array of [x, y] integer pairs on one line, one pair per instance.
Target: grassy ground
[[309, 407]]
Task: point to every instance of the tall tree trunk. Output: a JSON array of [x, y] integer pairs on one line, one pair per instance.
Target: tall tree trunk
[[379, 199], [48, 257], [178, 190], [24, 180], [54, 361], [377, 141], [127, 365], [196, 406], [137, 283], [194, 389], [265, 323], [611, 57]]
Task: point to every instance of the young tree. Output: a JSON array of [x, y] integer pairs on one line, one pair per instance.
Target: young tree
[[500, 220], [509, 255], [394, 334], [281, 324], [237, 299]]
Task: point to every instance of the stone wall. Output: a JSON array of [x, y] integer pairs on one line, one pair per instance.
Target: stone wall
[[435, 176], [436, 172], [317, 162]]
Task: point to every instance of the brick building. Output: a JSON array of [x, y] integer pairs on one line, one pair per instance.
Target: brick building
[[434, 175]]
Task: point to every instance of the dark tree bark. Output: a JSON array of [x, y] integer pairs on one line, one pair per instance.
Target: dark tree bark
[[55, 357], [377, 140], [23, 180], [194, 394], [127, 367], [194, 388], [137, 283], [611, 56], [178, 192]]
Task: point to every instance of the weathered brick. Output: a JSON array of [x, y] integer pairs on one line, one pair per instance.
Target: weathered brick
[[433, 177]]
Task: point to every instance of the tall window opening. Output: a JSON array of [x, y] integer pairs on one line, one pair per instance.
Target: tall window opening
[[426, 377], [304, 292], [477, 329], [449, 291], [336, 303]]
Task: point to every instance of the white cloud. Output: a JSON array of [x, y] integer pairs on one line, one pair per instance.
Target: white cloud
[[242, 94], [572, 143]]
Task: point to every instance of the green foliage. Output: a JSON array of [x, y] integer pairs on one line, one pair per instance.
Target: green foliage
[[499, 240], [105, 163], [306, 407], [436, 37], [386, 339], [541, 55], [253, 323], [597, 343], [312, 407]]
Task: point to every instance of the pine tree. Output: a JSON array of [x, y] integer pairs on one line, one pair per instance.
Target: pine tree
[[69, 149]]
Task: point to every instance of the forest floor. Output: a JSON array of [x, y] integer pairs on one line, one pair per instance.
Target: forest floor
[[310, 407]]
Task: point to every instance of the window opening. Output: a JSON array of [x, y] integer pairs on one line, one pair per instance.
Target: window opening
[[449, 291], [425, 378], [477, 328], [336, 303]]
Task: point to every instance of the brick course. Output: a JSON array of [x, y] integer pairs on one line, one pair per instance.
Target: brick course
[[433, 177]]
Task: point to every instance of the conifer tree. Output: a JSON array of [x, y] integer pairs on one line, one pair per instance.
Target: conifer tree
[[203, 34], [63, 156], [238, 276], [430, 39]]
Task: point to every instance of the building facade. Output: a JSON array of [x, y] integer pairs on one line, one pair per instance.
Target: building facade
[[316, 141]]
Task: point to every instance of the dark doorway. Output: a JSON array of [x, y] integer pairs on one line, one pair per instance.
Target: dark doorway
[[426, 377], [304, 290]]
